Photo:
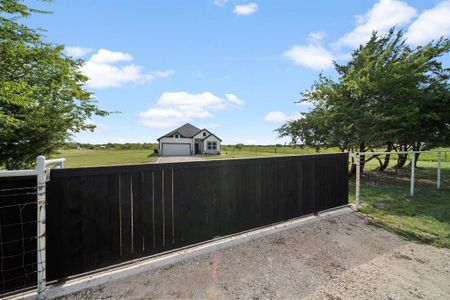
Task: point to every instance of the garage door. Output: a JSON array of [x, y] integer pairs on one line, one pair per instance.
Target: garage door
[[176, 149]]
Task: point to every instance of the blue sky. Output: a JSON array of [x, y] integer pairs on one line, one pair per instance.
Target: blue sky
[[235, 67]]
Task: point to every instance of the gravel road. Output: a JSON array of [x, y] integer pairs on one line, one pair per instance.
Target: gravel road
[[341, 257]]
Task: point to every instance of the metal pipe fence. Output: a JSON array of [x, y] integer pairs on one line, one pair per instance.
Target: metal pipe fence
[[358, 161], [23, 257]]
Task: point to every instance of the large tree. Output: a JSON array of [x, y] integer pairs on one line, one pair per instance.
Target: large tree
[[387, 95], [42, 96]]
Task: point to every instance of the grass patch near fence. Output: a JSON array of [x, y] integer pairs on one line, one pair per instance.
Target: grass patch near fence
[[425, 217], [89, 158], [264, 151]]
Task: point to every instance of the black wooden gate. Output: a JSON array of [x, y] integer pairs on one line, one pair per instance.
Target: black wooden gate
[[100, 216]]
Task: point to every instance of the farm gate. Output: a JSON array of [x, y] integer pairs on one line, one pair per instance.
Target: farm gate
[[101, 216]]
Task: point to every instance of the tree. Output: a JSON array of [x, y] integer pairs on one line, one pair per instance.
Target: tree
[[42, 96], [387, 96]]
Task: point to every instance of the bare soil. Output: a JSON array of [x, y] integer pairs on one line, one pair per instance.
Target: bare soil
[[341, 257]]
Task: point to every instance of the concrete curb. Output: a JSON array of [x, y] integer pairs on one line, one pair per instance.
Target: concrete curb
[[142, 265]]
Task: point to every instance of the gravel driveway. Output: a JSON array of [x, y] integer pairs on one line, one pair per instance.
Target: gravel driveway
[[341, 257], [171, 159]]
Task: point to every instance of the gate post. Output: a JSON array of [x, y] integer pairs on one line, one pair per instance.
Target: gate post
[[413, 167], [358, 181], [438, 181], [41, 255]]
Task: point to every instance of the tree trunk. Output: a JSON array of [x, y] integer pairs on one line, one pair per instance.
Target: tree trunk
[[387, 158], [401, 161]]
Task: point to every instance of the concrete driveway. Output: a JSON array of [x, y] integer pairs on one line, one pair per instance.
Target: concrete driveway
[[171, 159]]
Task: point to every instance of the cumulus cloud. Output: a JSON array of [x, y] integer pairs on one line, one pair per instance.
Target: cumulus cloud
[[430, 25], [280, 117], [234, 99], [245, 9], [311, 56], [105, 69], [104, 56], [381, 17], [174, 108], [77, 52], [316, 37]]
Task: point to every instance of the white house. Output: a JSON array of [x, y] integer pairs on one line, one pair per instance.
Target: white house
[[189, 140]]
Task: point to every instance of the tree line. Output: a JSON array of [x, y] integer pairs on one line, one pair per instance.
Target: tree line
[[387, 96]]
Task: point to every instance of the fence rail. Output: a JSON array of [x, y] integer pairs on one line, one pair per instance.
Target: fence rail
[[357, 160]]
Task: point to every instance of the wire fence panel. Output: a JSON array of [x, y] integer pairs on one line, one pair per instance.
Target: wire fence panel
[[18, 250], [406, 193]]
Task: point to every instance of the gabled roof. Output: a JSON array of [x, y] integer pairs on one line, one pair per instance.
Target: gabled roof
[[211, 134], [186, 131]]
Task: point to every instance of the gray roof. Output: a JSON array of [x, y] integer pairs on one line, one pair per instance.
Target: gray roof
[[187, 131]]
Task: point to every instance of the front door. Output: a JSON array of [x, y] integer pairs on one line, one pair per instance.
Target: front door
[[196, 149]]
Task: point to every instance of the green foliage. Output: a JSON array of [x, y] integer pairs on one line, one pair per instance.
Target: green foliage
[[42, 98], [239, 146], [387, 95]]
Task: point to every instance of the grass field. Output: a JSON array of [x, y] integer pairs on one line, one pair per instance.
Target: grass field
[[104, 157], [262, 151], [89, 158], [424, 217]]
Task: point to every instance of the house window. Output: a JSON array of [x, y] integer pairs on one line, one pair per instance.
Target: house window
[[212, 145], [204, 133], [176, 135]]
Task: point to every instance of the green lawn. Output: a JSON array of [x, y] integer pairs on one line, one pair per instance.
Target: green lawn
[[425, 217], [262, 151], [88, 158]]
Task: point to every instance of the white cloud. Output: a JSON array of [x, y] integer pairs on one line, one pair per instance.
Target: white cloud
[[430, 25], [280, 117], [316, 37], [77, 52], [174, 108], [311, 56], [234, 99], [245, 9], [220, 3], [104, 56], [381, 17], [104, 70]]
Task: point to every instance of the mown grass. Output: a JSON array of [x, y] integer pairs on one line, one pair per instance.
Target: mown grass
[[425, 217], [264, 151], [89, 158]]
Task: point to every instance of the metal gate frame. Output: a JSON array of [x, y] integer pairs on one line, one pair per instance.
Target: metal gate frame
[[42, 173]]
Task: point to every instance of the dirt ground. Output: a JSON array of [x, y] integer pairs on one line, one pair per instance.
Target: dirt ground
[[341, 257]]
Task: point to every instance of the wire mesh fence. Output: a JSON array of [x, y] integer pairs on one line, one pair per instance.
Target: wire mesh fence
[[408, 193], [18, 249], [396, 170]]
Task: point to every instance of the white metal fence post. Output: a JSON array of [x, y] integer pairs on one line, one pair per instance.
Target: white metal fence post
[[41, 255], [358, 181], [413, 162], [438, 180]]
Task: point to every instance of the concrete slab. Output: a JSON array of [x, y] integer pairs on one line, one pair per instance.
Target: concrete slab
[[171, 159]]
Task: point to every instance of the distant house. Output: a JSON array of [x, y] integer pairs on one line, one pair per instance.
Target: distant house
[[189, 140]]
